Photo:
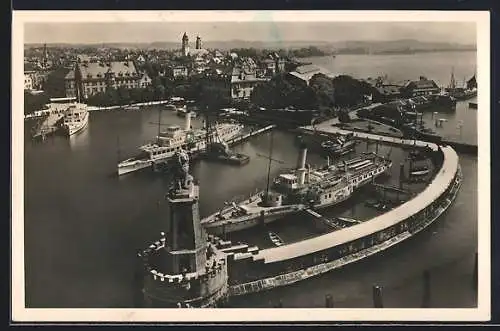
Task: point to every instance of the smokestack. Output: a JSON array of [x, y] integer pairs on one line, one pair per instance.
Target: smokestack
[[308, 172], [301, 164], [301, 161], [188, 121], [327, 161]]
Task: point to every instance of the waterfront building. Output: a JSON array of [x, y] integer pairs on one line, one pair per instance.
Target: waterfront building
[[28, 82], [423, 86], [244, 79], [273, 64], [97, 77], [304, 73], [33, 78]]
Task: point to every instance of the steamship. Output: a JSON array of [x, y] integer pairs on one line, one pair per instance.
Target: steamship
[[76, 119], [298, 190], [173, 139]]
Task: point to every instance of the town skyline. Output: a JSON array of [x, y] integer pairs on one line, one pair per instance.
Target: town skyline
[[463, 33]]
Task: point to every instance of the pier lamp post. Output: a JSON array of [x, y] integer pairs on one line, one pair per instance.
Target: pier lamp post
[[459, 127]]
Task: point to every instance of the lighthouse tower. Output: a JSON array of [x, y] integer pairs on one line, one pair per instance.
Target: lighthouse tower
[[182, 269], [185, 45]]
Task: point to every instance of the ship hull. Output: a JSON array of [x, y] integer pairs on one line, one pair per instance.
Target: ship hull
[[220, 229], [133, 166], [200, 146], [74, 128]]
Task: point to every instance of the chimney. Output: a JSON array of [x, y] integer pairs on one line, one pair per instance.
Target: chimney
[[301, 161], [188, 121], [301, 164]]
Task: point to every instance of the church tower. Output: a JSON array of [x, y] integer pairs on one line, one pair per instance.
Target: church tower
[[185, 45], [45, 57], [198, 42]]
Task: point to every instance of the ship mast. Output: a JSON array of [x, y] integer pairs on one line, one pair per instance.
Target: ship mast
[[452, 80], [271, 159], [159, 126], [118, 148]]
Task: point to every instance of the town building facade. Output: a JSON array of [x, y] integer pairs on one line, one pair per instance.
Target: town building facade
[[28, 82], [421, 87], [244, 79], [98, 77]]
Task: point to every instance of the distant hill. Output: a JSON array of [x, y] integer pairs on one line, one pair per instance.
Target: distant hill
[[343, 47], [397, 47]]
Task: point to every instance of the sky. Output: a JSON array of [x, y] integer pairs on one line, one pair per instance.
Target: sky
[[454, 32]]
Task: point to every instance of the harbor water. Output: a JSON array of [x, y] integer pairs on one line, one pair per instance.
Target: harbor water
[[84, 224]]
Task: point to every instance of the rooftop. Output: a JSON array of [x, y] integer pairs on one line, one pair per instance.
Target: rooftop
[[306, 72], [422, 83], [98, 70]]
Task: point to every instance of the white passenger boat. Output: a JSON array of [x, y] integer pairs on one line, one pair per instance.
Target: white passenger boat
[[173, 139], [298, 190], [76, 118]]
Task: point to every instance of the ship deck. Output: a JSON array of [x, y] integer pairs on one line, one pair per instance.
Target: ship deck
[[296, 228], [424, 198]]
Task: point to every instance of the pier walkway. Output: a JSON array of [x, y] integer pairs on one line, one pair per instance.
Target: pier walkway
[[327, 128], [441, 182], [241, 139], [448, 179], [48, 125]]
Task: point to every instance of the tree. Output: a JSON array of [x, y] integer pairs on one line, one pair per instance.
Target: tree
[[349, 91], [54, 85], [281, 93], [122, 96], [34, 102], [212, 95], [159, 92], [344, 117], [323, 89], [156, 81]]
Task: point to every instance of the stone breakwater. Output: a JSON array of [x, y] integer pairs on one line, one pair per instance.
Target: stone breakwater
[[359, 241]]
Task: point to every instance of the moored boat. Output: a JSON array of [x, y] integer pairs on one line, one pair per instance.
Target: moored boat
[[341, 145], [174, 139], [277, 241], [76, 119], [297, 190]]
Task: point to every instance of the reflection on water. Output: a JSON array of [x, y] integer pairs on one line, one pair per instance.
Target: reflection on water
[[80, 139], [83, 224]]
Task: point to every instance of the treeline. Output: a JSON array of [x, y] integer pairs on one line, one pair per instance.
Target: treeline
[[204, 90], [260, 54], [34, 102], [322, 93]]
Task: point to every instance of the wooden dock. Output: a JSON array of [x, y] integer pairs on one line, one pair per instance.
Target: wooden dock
[[249, 135], [47, 126]]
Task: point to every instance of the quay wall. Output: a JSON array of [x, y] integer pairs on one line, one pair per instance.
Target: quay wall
[[462, 147], [372, 137], [439, 184], [329, 130], [358, 241]]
